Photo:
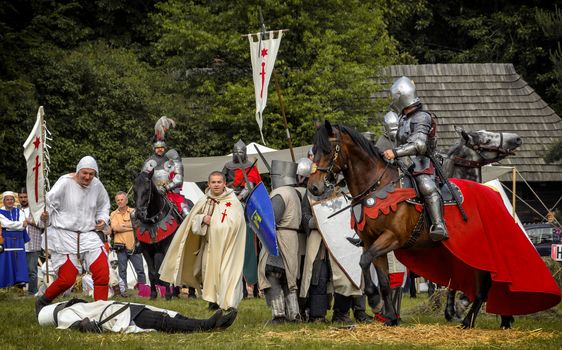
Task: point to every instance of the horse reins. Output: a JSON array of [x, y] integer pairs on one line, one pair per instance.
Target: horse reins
[[330, 171]]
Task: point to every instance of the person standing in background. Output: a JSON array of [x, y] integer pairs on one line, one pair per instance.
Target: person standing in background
[[124, 240], [33, 247]]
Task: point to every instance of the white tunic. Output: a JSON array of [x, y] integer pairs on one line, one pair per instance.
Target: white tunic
[[98, 311], [75, 209]]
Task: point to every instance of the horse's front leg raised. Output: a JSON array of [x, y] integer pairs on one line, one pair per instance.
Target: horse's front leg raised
[[382, 245]]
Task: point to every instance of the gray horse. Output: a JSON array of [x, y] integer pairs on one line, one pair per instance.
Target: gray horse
[[464, 160]]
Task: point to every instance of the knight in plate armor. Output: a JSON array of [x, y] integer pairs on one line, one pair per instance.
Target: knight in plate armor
[[232, 170], [415, 142], [167, 167]]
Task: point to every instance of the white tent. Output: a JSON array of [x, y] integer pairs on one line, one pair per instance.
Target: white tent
[[197, 169]]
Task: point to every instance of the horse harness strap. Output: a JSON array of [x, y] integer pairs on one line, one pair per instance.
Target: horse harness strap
[[415, 232], [471, 163]]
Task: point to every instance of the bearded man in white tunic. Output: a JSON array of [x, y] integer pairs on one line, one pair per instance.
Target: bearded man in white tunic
[[208, 249], [77, 206]]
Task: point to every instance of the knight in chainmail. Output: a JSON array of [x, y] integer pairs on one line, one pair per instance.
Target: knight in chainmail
[[415, 142], [277, 275], [233, 172]]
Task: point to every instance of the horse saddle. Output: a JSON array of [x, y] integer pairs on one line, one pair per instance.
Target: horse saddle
[[446, 195]]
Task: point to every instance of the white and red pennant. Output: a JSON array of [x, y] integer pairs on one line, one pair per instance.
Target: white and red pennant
[[263, 54], [34, 153]]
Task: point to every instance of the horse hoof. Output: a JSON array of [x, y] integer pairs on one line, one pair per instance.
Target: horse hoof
[[448, 316], [507, 322], [391, 323]]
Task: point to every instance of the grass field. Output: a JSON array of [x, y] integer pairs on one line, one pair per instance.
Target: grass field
[[421, 328]]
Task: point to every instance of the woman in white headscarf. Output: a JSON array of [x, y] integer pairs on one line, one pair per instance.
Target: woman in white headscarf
[[78, 206], [13, 264]]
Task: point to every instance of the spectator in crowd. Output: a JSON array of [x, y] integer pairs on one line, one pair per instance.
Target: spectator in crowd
[[124, 240], [33, 247], [13, 264]]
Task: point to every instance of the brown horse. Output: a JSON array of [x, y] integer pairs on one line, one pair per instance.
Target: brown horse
[[343, 150]]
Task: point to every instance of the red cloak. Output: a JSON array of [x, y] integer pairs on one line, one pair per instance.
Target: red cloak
[[490, 241]]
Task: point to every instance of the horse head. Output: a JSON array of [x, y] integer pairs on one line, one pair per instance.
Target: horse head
[[341, 150], [489, 145], [144, 190]]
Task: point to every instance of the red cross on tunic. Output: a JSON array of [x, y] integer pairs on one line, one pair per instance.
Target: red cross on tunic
[[223, 216]]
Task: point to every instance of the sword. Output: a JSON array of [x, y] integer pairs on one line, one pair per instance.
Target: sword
[[449, 186], [263, 159]]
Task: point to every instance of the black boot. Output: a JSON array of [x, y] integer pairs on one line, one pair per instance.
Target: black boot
[[359, 309], [40, 303], [227, 319], [342, 304]]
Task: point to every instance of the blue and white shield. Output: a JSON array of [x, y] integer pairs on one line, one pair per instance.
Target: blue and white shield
[[260, 217]]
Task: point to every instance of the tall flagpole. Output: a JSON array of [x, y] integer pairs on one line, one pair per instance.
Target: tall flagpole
[[282, 105], [43, 138]]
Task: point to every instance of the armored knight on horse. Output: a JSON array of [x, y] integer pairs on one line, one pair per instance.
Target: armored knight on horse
[[166, 166], [415, 143]]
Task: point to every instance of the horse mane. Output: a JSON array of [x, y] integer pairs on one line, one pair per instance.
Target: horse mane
[[323, 144]]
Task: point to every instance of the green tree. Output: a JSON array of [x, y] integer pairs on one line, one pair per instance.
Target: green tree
[[325, 64]]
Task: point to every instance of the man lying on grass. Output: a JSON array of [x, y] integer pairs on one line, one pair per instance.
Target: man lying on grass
[[113, 316]]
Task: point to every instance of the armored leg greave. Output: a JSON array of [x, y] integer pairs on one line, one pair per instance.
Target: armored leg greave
[[438, 230], [292, 306], [274, 296]]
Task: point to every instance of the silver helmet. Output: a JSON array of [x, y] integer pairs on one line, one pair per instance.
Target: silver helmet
[[403, 93], [390, 124], [283, 173], [158, 143], [304, 166], [239, 154]]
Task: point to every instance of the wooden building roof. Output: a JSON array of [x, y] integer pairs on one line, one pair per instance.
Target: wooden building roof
[[489, 96]]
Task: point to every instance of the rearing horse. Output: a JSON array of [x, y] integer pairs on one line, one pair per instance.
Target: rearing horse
[[371, 179], [156, 222]]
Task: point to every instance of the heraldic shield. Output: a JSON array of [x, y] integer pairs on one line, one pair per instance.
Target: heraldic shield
[[334, 231], [259, 215]]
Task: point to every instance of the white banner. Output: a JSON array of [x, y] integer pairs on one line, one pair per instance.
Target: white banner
[[33, 151], [263, 53]]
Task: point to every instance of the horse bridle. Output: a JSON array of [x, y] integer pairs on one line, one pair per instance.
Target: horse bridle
[[484, 148], [329, 170]]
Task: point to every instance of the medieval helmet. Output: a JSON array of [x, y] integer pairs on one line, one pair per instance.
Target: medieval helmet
[[160, 129], [403, 92], [304, 167], [239, 154], [283, 173], [390, 124]]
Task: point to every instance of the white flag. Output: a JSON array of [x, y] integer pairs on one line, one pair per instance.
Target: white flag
[[263, 54], [33, 151]]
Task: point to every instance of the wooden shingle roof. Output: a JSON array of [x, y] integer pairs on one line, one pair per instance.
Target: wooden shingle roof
[[489, 96]]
